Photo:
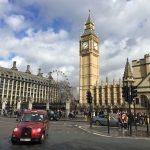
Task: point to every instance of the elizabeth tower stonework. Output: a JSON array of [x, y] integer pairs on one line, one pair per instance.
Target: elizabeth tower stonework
[[89, 62]]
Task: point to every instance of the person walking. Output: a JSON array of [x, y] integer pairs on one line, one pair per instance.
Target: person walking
[[125, 121]]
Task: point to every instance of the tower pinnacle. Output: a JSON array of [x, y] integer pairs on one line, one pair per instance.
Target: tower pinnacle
[[128, 71], [89, 20], [89, 26]]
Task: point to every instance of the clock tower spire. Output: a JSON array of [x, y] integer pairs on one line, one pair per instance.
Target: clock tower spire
[[89, 24], [89, 62]]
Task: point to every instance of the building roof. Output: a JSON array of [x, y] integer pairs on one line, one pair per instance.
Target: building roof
[[23, 75]]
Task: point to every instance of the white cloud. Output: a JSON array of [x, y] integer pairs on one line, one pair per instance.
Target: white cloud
[[123, 28], [15, 22], [44, 49]]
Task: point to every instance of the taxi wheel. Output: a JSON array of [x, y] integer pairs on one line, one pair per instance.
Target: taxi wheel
[[14, 141], [42, 138]]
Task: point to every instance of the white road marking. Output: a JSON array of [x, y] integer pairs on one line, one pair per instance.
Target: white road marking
[[119, 137]]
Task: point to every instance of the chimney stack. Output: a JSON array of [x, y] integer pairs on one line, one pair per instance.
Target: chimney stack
[[28, 69], [14, 66], [39, 73], [50, 75]]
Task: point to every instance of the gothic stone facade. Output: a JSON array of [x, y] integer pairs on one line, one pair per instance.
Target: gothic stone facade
[[141, 74]]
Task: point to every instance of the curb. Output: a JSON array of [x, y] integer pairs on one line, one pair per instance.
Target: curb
[[110, 136]]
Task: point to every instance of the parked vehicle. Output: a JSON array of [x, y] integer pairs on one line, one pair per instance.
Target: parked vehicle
[[33, 126], [103, 120], [53, 115], [71, 115]]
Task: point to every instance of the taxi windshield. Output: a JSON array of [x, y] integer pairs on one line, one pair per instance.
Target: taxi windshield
[[32, 117]]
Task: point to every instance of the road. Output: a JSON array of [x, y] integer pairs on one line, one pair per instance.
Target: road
[[65, 135]]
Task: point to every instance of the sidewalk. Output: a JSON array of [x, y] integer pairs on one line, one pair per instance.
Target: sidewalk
[[116, 132]]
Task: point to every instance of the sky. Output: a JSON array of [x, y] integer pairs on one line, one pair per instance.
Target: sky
[[45, 34]]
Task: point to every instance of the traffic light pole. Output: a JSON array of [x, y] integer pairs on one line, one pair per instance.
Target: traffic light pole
[[89, 101], [90, 114], [108, 122], [135, 116], [130, 119], [129, 93]]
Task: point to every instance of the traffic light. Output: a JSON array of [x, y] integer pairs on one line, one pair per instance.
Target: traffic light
[[133, 92], [89, 97], [125, 93]]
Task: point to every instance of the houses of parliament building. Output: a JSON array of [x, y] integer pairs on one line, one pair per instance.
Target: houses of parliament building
[[23, 88], [104, 93]]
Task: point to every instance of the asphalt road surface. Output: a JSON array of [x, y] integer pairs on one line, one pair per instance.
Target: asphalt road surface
[[65, 135]]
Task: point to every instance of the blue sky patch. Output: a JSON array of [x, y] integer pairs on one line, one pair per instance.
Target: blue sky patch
[[20, 34], [33, 12], [1, 58], [12, 55], [2, 23], [59, 23]]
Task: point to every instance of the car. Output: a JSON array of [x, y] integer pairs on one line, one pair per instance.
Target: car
[[103, 120], [53, 115], [33, 126]]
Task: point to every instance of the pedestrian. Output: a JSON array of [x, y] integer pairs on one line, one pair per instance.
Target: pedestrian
[[120, 120], [125, 121]]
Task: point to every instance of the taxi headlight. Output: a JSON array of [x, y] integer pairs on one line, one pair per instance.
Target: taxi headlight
[[16, 129], [38, 130]]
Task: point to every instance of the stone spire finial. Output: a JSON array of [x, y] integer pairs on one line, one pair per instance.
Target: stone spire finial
[[28, 69], [89, 20], [14, 66], [127, 72]]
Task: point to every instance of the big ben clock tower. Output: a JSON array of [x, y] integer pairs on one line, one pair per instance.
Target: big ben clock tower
[[89, 62]]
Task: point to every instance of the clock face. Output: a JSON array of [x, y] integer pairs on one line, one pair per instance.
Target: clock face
[[85, 45], [95, 45]]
